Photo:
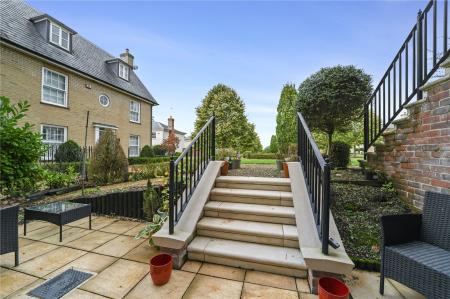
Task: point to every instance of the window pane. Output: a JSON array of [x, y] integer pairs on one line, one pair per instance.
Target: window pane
[[55, 34]]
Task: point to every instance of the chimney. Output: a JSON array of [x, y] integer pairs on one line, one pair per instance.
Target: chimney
[[171, 124], [127, 57]]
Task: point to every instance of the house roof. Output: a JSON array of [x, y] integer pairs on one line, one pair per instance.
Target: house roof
[[159, 125], [17, 28]]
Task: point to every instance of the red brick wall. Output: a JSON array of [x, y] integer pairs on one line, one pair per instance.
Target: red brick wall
[[416, 154]]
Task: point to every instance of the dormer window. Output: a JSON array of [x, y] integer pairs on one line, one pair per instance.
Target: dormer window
[[124, 71], [59, 36]]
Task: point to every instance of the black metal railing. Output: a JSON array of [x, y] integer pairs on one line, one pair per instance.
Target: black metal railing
[[317, 176], [51, 149], [425, 48], [188, 168]]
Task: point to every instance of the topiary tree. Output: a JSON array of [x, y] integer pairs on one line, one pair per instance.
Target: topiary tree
[[233, 130], [147, 151], [273, 147], [20, 149], [159, 150], [69, 151], [333, 97], [287, 118], [340, 154], [108, 163]]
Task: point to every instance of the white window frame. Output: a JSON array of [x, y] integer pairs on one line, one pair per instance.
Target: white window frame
[[60, 31], [124, 71], [138, 145], [138, 111], [109, 100], [97, 131], [48, 157], [66, 84]]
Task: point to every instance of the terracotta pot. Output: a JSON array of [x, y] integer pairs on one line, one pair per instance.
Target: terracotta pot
[[224, 168], [332, 288], [161, 268], [286, 170]]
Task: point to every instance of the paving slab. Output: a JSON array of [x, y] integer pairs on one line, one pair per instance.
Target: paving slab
[[302, 285], [33, 225], [174, 289], [44, 232], [80, 294], [365, 284], [135, 230], [191, 266], [405, 291], [11, 281], [259, 291], [81, 222], [90, 262], [26, 253], [117, 280], [271, 280], [119, 246], [69, 234], [119, 227], [207, 287], [21, 293], [92, 240], [222, 271], [51, 261], [308, 296], [143, 253], [97, 223]]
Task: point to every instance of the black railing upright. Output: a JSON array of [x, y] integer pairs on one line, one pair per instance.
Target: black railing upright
[[425, 48], [188, 168], [317, 176]]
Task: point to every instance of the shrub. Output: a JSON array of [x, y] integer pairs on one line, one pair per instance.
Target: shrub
[[145, 160], [159, 150], [108, 163], [63, 166], [260, 155], [55, 179], [340, 154], [69, 151], [20, 151], [150, 171], [152, 201], [147, 151]]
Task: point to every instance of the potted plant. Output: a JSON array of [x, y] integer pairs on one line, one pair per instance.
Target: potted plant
[[152, 200], [225, 167], [236, 163]]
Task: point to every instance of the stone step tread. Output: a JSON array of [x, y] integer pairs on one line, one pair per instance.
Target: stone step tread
[[245, 227], [252, 193], [249, 252], [253, 209], [254, 180]]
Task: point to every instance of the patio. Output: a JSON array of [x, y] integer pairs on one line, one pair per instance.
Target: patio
[[121, 264]]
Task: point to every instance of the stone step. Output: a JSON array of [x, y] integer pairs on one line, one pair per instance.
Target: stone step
[[263, 197], [255, 183], [252, 256], [251, 212], [249, 231]]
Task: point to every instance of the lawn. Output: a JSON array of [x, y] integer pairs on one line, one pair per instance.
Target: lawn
[[258, 161], [354, 160]]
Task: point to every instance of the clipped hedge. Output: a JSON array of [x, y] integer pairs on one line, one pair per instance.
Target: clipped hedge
[[260, 155], [145, 160], [340, 154]]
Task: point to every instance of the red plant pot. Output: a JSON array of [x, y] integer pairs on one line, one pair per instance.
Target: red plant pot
[[286, 170], [161, 268], [224, 168], [332, 288]]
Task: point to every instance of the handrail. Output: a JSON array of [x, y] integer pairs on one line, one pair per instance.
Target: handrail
[[185, 172], [317, 176], [394, 90]]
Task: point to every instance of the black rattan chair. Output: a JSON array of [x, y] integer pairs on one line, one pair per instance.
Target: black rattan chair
[[9, 233], [416, 248]]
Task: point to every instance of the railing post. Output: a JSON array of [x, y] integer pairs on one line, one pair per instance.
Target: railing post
[[326, 208], [366, 130], [213, 139], [419, 55], [171, 196]]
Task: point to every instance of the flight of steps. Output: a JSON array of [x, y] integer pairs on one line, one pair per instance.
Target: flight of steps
[[249, 222]]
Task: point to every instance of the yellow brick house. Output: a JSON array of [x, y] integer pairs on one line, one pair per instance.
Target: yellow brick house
[[63, 76]]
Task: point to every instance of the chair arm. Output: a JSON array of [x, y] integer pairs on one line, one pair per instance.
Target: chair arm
[[399, 229]]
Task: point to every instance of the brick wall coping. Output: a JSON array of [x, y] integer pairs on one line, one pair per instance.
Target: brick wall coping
[[429, 85], [416, 103]]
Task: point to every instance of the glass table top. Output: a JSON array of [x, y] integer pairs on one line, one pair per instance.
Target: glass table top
[[57, 207]]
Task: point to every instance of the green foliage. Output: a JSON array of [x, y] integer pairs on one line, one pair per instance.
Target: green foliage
[[145, 160], [20, 150], [273, 147], [69, 151], [159, 150], [147, 151], [340, 154], [260, 155], [233, 130], [225, 153], [152, 200], [108, 163], [286, 118], [331, 99], [150, 171], [152, 227], [54, 179]]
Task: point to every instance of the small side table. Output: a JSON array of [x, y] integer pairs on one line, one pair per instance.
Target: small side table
[[58, 213]]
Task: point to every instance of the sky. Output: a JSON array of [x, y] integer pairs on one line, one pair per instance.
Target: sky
[[183, 48]]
